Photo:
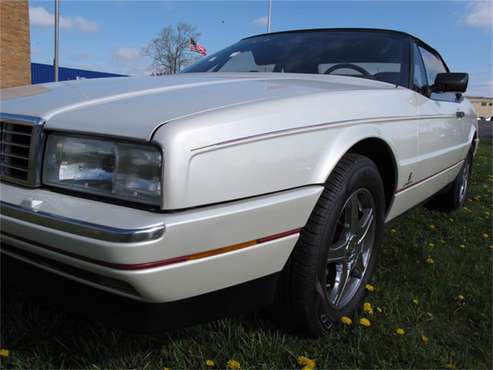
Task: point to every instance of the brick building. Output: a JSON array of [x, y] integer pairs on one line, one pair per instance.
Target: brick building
[[15, 45]]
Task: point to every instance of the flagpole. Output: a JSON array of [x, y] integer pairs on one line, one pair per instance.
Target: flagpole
[[56, 36], [269, 16]]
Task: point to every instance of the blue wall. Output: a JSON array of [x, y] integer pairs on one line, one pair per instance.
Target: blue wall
[[44, 73]]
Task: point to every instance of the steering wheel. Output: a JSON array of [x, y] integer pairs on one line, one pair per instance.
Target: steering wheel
[[354, 67]]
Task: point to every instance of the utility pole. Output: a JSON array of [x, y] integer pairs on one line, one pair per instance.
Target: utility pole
[[57, 34], [269, 16]]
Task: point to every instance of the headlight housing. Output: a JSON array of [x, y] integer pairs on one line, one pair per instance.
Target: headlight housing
[[121, 170]]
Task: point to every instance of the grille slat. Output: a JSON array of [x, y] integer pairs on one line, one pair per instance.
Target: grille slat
[[20, 138]]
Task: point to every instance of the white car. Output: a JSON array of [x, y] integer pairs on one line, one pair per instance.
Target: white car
[[263, 174]]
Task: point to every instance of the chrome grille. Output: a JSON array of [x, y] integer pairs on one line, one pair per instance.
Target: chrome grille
[[20, 143]]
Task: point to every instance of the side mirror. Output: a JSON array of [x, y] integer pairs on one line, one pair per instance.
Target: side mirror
[[453, 82]]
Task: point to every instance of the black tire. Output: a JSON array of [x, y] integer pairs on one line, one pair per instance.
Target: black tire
[[309, 298], [454, 196]]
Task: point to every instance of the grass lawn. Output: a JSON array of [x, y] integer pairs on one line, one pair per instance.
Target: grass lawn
[[429, 261]]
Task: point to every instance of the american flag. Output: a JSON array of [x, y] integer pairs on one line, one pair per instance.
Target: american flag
[[196, 47]]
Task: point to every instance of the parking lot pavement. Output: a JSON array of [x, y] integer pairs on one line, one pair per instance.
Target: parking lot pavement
[[485, 130]]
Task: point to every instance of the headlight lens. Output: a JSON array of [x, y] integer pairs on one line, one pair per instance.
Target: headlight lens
[[117, 169]]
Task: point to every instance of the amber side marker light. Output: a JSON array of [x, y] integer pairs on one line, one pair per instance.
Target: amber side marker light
[[209, 253]]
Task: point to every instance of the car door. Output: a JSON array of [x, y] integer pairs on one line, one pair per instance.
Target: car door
[[442, 127]]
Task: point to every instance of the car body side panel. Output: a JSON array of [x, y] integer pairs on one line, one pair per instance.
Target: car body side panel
[[245, 151]]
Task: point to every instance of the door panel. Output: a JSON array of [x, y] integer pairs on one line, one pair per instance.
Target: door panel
[[442, 135]]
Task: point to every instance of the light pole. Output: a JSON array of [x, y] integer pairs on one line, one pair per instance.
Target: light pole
[[57, 28], [269, 16]]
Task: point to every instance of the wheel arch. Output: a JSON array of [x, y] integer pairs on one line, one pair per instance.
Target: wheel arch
[[371, 144], [381, 154]]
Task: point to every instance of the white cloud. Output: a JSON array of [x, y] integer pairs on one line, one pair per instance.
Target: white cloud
[[129, 61], [260, 21], [479, 14], [127, 54], [39, 16]]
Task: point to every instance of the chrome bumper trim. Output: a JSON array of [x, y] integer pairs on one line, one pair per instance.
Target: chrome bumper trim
[[82, 228]]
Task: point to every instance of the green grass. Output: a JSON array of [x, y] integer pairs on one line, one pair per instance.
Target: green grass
[[460, 332]]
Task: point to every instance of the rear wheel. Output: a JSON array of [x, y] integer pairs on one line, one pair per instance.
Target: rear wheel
[[455, 196], [336, 253]]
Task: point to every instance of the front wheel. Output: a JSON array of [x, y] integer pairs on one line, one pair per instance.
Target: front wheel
[[336, 253]]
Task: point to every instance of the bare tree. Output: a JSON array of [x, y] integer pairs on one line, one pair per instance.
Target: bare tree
[[170, 51]]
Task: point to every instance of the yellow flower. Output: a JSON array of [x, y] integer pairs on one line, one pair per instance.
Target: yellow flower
[[365, 322], [476, 198], [462, 246], [491, 247], [165, 368], [424, 339], [233, 364], [368, 308], [209, 363], [460, 297], [307, 363], [400, 331], [429, 260], [379, 310], [450, 366], [416, 301], [393, 231], [467, 209], [346, 320], [431, 244], [486, 236], [433, 227], [370, 288], [4, 352]]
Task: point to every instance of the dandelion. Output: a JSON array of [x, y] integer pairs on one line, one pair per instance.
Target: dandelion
[[431, 244], [379, 310], [433, 227], [486, 236], [165, 368], [400, 331], [429, 260], [346, 320], [364, 322], [462, 246], [467, 209], [307, 363], [233, 364], [424, 339], [460, 297], [416, 301], [209, 363], [491, 247], [4, 352], [450, 366], [368, 308], [393, 231], [370, 288]]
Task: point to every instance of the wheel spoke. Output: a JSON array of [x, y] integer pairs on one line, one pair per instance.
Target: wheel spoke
[[352, 214], [337, 251], [365, 224], [342, 284]]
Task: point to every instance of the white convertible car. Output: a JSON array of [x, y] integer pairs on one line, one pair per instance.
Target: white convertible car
[[263, 174]]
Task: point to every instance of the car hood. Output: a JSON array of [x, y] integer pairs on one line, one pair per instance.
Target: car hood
[[135, 107]]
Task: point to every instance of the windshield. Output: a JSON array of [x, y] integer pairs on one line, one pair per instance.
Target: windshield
[[376, 55]]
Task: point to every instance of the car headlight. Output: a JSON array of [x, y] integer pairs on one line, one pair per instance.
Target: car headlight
[[110, 168]]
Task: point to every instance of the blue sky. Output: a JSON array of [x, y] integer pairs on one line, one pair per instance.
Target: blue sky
[[109, 35]]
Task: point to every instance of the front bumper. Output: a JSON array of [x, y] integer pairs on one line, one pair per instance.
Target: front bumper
[[140, 254]]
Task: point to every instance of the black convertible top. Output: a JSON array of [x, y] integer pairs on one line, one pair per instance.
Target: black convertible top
[[383, 30]]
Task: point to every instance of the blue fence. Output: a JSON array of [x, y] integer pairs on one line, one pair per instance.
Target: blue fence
[[41, 73]]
